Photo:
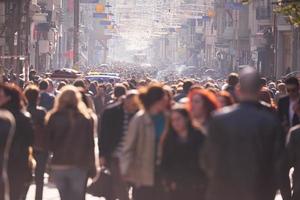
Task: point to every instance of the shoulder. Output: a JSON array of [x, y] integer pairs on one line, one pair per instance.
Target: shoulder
[[113, 107]]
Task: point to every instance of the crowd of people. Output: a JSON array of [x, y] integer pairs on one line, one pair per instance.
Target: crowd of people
[[233, 140]]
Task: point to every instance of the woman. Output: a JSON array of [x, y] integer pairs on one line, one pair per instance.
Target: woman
[[202, 103], [141, 145], [180, 166], [19, 170], [225, 98], [70, 132]]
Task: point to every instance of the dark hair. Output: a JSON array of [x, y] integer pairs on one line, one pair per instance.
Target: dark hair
[[119, 90], [187, 85], [263, 81], [17, 99], [233, 79], [61, 85], [32, 94], [151, 95], [79, 83], [43, 85], [292, 81]]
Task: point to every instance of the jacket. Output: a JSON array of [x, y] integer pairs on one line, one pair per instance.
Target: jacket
[[242, 153], [138, 155], [110, 130], [38, 118], [71, 140], [293, 148], [184, 169], [284, 111]]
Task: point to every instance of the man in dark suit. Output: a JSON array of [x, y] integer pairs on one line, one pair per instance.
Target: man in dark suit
[[287, 106], [112, 129], [244, 146], [7, 131]]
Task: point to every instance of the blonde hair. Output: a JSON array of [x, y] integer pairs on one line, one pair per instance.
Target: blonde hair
[[70, 97]]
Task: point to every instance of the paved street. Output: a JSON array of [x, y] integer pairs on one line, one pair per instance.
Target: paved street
[[51, 193]]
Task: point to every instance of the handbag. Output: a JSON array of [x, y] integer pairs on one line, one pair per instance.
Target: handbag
[[102, 187]]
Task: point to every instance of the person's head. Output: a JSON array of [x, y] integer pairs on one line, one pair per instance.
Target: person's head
[[119, 91], [225, 98], [263, 82], [187, 86], [265, 96], [281, 87], [11, 97], [250, 84], [70, 99], [202, 103], [80, 84], [61, 85], [292, 87], [180, 120], [153, 99], [32, 95], [131, 102], [43, 85], [233, 79], [50, 86]]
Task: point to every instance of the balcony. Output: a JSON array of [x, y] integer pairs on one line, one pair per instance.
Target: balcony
[[263, 13]]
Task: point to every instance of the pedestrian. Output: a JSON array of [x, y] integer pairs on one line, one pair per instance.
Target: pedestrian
[[140, 155], [187, 84], [202, 103], [46, 99], [113, 129], [39, 146], [7, 131], [180, 167], [225, 98], [70, 131], [243, 148], [287, 105], [19, 171], [232, 82]]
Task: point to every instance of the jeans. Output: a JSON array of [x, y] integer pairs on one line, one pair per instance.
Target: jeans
[[41, 158], [71, 183]]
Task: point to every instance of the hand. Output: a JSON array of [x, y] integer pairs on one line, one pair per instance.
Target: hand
[[103, 162]]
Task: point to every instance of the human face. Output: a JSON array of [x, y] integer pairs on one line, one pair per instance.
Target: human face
[[159, 106], [178, 122], [292, 90], [3, 98], [131, 105], [197, 106]]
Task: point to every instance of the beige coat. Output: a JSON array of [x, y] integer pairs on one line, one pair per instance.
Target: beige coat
[[138, 157]]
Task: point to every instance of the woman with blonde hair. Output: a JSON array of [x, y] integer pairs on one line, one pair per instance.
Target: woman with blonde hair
[[70, 136]]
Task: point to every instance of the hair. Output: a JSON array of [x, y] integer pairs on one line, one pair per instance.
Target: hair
[[150, 95], [292, 81], [43, 85], [233, 79], [17, 99], [210, 100], [185, 114], [187, 85], [281, 87], [61, 85], [119, 90], [250, 81], [70, 98], [79, 83], [32, 94], [227, 97]]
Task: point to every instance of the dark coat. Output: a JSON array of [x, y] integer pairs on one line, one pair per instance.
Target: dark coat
[[71, 139], [38, 118], [180, 159], [284, 111], [110, 131], [242, 152], [46, 100], [294, 159]]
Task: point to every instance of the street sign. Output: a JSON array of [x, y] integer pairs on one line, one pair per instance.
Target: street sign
[[100, 15], [105, 23], [89, 1]]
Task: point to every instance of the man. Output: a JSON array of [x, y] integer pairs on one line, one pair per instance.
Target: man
[[46, 99], [7, 127], [232, 82], [288, 105], [186, 88], [113, 127], [39, 147], [243, 147]]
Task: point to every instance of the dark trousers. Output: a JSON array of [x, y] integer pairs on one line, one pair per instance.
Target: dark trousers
[[41, 158], [184, 192], [119, 187], [18, 185]]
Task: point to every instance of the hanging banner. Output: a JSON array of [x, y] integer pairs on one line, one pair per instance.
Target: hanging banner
[[100, 15]]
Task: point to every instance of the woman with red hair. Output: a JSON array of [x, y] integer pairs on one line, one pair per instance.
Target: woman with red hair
[[201, 105]]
